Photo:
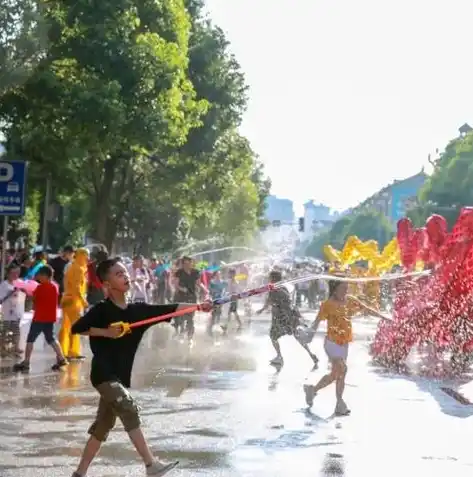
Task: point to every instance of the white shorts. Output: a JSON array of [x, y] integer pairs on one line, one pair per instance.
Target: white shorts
[[335, 351]]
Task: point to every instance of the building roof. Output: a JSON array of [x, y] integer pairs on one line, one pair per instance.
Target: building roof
[[397, 182], [311, 205], [465, 129]]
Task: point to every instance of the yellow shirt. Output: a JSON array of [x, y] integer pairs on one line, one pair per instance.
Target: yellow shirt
[[338, 316]]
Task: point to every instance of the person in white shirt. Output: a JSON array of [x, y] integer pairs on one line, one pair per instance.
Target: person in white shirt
[[12, 302], [140, 279]]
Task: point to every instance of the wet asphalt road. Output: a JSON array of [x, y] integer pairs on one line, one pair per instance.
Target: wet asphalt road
[[223, 412]]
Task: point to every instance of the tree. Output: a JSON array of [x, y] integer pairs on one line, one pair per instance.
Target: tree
[[370, 225], [263, 187], [317, 244], [23, 41], [205, 176], [338, 232], [134, 115], [366, 225], [334, 235], [216, 163], [114, 93], [214, 150], [450, 187]]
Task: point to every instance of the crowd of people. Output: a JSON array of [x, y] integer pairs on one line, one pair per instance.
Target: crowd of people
[[153, 281], [95, 293]]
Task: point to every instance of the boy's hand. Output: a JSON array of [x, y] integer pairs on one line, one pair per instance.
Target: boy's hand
[[113, 331]]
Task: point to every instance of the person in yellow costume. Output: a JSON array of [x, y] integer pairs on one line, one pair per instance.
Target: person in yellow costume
[[73, 303]]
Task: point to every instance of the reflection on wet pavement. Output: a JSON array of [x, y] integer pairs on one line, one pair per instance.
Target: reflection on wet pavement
[[223, 411]]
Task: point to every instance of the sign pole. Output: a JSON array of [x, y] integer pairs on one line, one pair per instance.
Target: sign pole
[[4, 250]]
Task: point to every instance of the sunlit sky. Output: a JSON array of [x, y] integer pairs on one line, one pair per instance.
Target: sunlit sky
[[348, 95]]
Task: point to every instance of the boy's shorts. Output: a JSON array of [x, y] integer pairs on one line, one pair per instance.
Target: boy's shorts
[[37, 328], [115, 401], [233, 307]]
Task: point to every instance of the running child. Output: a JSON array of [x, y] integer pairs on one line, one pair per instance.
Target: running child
[[45, 300], [112, 364], [338, 310], [284, 319]]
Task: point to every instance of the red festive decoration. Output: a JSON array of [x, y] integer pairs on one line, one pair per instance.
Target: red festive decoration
[[434, 308]]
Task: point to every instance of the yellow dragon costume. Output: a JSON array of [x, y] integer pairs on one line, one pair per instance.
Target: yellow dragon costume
[[379, 263], [73, 303]]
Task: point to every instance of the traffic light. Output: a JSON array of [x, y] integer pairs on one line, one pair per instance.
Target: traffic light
[[276, 223], [301, 224]]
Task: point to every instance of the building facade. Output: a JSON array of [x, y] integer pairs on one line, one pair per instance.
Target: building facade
[[278, 209], [394, 200], [316, 216]]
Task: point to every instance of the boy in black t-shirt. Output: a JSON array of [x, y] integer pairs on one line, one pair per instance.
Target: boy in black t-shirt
[[112, 363]]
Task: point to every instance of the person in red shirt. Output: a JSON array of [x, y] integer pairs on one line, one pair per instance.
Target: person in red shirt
[[45, 300]]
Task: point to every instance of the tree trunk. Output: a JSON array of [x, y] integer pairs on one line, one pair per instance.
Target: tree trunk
[[103, 209], [112, 201], [111, 233]]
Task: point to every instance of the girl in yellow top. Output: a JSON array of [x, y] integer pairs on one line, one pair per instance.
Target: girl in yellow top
[[338, 311]]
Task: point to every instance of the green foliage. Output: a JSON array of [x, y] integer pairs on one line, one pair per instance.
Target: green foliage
[[371, 225], [23, 41], [366, 225], [316, 246], [133, 111], [338, 232], [450, 187], [27, 227]]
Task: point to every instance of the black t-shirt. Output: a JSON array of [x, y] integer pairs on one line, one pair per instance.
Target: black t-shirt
[[189, 282], [113, 358], [58, 264]]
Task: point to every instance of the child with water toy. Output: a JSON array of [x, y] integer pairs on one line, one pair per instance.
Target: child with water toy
[[338, 311]]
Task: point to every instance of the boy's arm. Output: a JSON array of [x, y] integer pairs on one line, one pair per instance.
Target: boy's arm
[[321, 316], [146, 311], [267, 302], [84, 325], [368, 309], [316, 323]]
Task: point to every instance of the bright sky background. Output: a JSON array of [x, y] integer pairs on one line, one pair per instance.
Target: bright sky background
[[348, 95]]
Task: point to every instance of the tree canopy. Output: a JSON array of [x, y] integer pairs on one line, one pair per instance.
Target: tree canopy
[[450, 187], [366, 225], [133, 113], [23, 41]]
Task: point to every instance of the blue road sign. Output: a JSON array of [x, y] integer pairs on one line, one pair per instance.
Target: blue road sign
[[12, 188]]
